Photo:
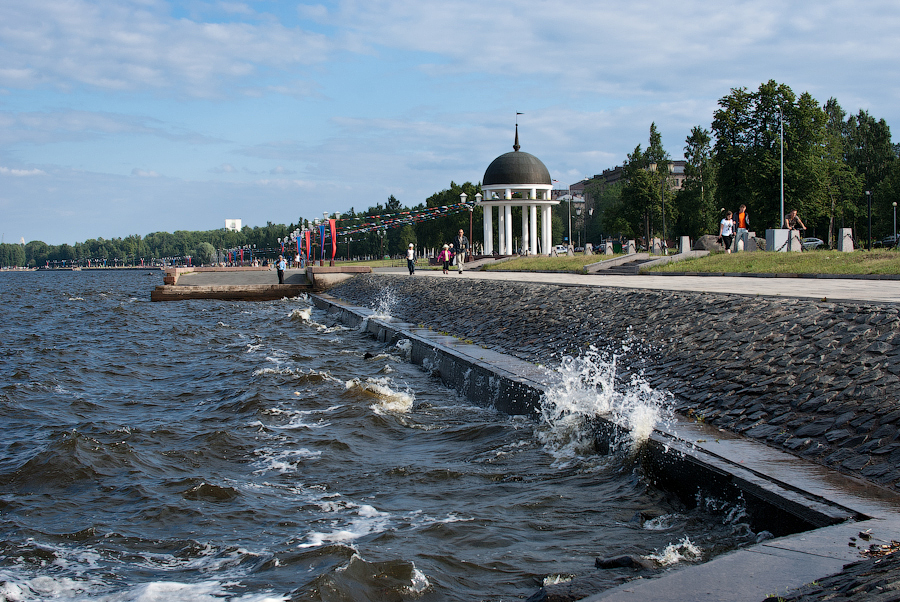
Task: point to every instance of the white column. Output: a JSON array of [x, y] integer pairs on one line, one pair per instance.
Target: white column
[[508, 227], [501, 229], [488, 229], [533, 224], [546, 229], [525, 229]]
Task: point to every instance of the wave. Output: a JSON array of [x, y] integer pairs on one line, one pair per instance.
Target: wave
[[389, 399]]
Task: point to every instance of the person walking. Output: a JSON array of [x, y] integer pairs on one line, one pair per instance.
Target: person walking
[[726, 231], [281, 266], [743, 226], [411, 259], [461, 243], [444, 258]]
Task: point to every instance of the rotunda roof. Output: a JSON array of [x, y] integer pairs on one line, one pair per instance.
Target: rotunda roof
[[516, 168]]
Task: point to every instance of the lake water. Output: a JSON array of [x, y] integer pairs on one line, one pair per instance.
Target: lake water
[[211, 450]]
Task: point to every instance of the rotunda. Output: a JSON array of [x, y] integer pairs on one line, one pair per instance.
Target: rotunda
[[525, 174]]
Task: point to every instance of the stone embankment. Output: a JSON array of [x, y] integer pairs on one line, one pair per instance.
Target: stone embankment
[[819, 379]]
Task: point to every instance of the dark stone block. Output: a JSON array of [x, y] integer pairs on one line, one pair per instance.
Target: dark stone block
[[855, 463], [762, 431], [815, 429]]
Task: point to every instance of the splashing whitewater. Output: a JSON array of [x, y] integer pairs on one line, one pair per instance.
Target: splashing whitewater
[[587, 390]]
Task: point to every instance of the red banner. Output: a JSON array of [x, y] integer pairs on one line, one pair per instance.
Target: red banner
[[333, 238]]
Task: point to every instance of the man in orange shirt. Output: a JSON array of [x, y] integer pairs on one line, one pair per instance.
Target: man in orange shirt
[[743, 225]]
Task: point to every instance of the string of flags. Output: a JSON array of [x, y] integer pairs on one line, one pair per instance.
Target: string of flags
[[387, 221]]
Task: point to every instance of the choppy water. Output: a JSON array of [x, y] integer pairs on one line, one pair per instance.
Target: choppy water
[[210, 450]]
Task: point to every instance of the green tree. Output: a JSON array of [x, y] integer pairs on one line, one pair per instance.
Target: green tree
[[697, 211], [748, 148], [205, 253]]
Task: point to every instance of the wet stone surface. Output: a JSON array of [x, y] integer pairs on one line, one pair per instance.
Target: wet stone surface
[[817, 379]]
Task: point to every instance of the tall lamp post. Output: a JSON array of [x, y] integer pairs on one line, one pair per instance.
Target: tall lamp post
[[578, 211], [471, 219], [869, 203], [895, 223], [781, 136]]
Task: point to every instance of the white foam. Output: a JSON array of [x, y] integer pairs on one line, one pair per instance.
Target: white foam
[[302, 313], [674, 553], [587, 389], [283, 461], [389, 399], [367, 521]]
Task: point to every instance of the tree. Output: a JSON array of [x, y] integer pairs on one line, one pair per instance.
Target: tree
[[205, 253], [643, 196], [697, 211], [748, 152], [842, 184], [609, 216]]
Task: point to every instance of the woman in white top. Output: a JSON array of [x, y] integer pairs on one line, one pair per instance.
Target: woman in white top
[[726, 231], [411, 259]]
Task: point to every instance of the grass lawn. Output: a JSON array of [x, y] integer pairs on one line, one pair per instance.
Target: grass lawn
[[542, 263], [808, 262]]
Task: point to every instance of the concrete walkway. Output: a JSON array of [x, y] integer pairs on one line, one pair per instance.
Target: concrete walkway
[[831, 289]]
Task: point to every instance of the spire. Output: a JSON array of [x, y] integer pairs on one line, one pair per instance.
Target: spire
[[516, 146]]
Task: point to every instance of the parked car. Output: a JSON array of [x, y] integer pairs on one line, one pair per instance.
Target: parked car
[[888, 242], [810, 244]]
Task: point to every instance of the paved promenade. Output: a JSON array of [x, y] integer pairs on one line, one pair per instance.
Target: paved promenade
[[832, 289]]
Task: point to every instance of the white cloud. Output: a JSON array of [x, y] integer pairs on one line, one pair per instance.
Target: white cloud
[[142, 173], [6, 171], [130, 45]]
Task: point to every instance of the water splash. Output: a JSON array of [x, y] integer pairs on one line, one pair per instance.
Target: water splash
[[587, 390], [385, 303], [677, 552], [301, 314]]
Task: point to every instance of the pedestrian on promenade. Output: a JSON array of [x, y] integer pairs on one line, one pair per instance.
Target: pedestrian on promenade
[[411, 259], [444, 258], [726, 231], [462, 246], [281, 266], [743, 225]]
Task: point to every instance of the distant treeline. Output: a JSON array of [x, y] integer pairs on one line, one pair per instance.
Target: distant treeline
[[257, 242]]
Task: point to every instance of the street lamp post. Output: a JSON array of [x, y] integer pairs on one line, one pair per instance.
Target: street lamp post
[[869, 203], [895, 223], [578, 211], [781, 136], [590, 214], [471, 218]]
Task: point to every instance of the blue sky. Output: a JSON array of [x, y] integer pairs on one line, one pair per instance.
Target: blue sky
[[123, 117]]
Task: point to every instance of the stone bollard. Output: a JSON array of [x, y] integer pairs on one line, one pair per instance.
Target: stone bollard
[[588, 248], [570, 251], [750, 242], [777, 240], [795, 245], [656, 248], [845, 240], [684, 244], [631, 247], [608, 248]]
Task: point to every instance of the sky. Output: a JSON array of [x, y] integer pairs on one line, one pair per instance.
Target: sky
[[121, 117]]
